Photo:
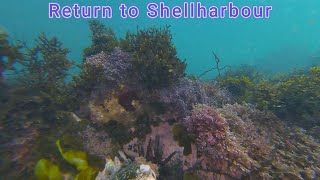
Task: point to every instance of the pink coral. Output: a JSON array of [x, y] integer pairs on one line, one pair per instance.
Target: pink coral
[[207, 125], [221, 151]]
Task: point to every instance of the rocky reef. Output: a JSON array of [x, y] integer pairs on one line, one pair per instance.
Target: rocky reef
[[132, 113]]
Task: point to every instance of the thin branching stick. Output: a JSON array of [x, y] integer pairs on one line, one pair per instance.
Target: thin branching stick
[[217, 60]]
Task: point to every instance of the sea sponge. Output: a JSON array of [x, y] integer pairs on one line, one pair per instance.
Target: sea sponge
[[110, 109]]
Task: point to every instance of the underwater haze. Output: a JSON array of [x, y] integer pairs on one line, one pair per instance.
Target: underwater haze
[[287, 40], [198, 95]]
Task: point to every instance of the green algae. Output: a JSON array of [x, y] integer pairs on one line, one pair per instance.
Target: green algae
[[46, 170], [142, 126], [46, 64], [10, 54], [102, 39], [118, 132], [86, 174], [76, 158], [127, 172], [190, 176], [155, 57], [294, 97]]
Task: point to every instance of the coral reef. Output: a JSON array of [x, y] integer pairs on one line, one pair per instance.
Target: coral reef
[[132, 102], [250, 132], [237, 141], [182, 95], [275, 150], [217, 96]]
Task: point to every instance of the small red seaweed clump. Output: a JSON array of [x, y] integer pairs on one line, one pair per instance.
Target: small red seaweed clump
[[220, 149]]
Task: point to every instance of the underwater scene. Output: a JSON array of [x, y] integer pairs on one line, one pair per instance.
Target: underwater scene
[[159, 90]]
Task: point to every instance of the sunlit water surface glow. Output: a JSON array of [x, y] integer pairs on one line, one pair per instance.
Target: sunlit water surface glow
[[286, 40]]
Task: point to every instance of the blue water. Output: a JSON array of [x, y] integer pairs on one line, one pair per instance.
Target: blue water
[[288, 39]]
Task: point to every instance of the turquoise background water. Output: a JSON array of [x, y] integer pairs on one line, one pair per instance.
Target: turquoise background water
[[289, 39]]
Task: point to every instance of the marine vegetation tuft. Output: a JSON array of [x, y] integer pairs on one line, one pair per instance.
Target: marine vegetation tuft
[[155, 57], [102, 37], [46, 65], [293, 97], [9, 54]]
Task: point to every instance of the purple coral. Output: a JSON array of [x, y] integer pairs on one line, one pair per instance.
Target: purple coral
[[186, 93], [183, 94], [116, 66]]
